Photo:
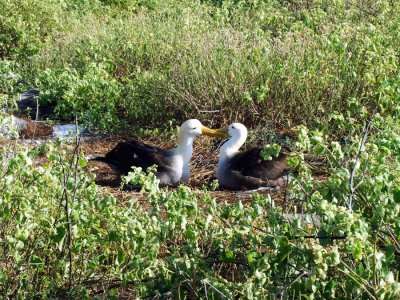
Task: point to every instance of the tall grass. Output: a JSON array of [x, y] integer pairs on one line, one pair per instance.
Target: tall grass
[[275, 63]]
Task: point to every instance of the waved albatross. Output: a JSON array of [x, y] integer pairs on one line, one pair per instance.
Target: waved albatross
[[172, 165], [247, 170]]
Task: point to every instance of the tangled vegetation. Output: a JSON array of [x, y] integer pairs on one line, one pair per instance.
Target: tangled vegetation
[[327, 68], [62, 236]]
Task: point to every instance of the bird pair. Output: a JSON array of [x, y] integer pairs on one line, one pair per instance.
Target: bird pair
[[236, 170]]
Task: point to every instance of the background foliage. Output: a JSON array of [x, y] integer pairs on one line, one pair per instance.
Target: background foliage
[[62, 236], [263, 62]]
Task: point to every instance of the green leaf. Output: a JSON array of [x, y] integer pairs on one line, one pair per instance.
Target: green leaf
[[113, 236], [227, 256], [396, 195], [60, 236], [121, 256], [324, 241], [390, 253], [190, 235], [357, 250], [19, 245], [252, 258], [269, 151], [82, 162], [335, 257]]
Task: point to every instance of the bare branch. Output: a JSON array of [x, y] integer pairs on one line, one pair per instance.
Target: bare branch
[[359, 153], [297, 278], [36, 119]]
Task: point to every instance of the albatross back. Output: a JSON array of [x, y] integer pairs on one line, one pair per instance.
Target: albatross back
[[134, 153], [247, 170], [250, 163]]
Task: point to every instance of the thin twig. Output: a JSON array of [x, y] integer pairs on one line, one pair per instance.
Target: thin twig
[[69, 233], [205, 290], [36, 119], [69, 202], [321, 237], [298, 277], [363, 284], [359, 153], [364, 173], [205, 281]]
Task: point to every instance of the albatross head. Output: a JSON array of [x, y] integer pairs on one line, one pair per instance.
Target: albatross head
[[238, 136], [237, 131], [193, 128]]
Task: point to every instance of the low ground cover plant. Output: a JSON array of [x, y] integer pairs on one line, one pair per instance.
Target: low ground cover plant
[[63, 236]]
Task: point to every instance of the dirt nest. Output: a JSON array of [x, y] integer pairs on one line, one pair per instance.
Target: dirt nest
[[202, 168]]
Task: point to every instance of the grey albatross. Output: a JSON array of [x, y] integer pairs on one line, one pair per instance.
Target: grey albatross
[[172, 165], [246, 169]]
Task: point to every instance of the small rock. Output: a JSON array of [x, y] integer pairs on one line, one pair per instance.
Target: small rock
[[10, 75], [10, 125]]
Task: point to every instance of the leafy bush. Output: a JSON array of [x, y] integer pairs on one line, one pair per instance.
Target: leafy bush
[[8, 85], [275, 63], [25, 24], [266, 62], [90, 94]]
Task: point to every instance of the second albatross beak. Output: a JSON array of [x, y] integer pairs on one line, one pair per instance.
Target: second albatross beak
[[223, 132]]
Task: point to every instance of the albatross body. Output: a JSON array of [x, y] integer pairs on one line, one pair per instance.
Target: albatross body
[[246, 169], [172, 165]]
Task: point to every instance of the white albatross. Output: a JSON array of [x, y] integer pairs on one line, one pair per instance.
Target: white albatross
[[246, 169], [172, 165]]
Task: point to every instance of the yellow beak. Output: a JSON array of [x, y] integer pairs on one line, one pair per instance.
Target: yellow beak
[[223, 132]]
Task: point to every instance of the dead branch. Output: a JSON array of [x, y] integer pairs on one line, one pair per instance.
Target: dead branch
[[359, 153]]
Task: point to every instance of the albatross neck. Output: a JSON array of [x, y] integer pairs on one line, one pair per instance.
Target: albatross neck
[[185, 147], [183, 152], [231, 147], [182, 155]]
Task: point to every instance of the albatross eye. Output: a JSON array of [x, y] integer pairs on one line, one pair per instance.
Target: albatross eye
[[194, 128], [233, 127]]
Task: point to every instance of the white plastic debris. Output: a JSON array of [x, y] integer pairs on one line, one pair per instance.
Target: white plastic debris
[[66, 131]]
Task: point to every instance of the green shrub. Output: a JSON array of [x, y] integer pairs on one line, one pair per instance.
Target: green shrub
[[25, 25], [358, 201], [92, 95], [124, 64], [9, 89], [61, 236], [258, 62]]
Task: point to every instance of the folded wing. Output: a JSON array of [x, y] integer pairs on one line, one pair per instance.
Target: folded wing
[[134, 153], [249, 170]]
